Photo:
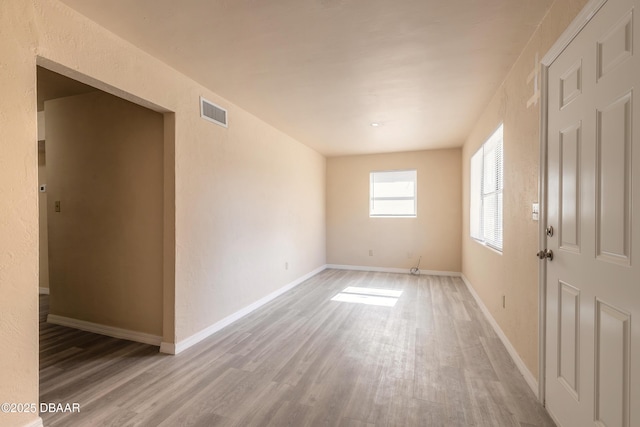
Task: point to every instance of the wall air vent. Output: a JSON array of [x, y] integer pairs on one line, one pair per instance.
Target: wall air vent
[[213, 113]]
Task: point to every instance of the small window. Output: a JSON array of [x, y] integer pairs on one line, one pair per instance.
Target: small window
[[486, 192], [393, 194]]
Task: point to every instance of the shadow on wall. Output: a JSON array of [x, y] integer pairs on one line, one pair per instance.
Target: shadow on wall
[[102, 213]]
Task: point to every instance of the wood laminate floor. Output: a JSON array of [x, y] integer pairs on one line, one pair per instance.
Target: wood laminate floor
[[303, 360]]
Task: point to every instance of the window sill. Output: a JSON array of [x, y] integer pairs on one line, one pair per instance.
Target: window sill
[[393, 216], [483, 244]]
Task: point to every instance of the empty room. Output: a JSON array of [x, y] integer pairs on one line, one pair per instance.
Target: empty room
[[319, 213]]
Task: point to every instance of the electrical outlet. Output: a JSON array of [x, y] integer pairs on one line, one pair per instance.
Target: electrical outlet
[[370, 252]]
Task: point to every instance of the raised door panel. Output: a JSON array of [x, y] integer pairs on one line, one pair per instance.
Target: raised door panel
[[613, 182], [569, 175], [569, 338], [612, 352]]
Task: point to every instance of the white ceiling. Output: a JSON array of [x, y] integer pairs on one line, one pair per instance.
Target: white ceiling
[[323, 70]]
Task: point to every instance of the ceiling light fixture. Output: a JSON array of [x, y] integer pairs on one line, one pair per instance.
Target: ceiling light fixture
[[375, 125]]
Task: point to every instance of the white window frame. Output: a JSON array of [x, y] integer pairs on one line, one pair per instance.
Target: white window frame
[[486, 192], [373, 198]]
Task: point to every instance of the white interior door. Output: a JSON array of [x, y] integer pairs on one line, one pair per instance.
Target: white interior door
[[593, 282]]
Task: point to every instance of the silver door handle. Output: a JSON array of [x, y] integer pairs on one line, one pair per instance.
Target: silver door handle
[[547, 253]]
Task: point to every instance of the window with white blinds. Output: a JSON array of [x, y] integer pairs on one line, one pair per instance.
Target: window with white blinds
[[393, 193], [485, 189]]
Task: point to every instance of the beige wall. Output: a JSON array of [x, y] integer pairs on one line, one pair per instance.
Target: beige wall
[[396, 242], [247, 198], [514, 273], [105, 166], [18, 213]]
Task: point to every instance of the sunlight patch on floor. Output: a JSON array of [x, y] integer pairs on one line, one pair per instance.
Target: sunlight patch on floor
[[369, 296]]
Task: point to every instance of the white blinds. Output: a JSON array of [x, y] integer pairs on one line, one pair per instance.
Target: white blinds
[[486, 173], [393, 193], [475, 192]]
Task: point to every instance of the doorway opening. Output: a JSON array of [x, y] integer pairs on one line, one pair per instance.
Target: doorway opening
[[106, 211]]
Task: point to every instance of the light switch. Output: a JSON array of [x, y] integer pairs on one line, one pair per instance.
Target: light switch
[[535, 211], [57, 206]]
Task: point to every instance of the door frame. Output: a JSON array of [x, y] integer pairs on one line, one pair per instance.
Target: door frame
[[579, 22], [169, 172]]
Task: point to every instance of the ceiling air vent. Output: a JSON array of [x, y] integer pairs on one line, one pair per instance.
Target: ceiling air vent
[[213, 113]]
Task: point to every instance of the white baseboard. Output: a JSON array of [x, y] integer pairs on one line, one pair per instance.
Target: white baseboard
[[167, 348], [43, 291], [553, 417], [391, 270], [110, 331], [528, 376], [171, 348], [35, 423]]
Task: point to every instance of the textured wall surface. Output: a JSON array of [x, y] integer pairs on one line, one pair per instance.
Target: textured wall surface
[[514, 272], [18, 212], [396, 242], [246, 198]]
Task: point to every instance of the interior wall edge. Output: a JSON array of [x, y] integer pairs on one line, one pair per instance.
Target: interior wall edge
[[169, 230]]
